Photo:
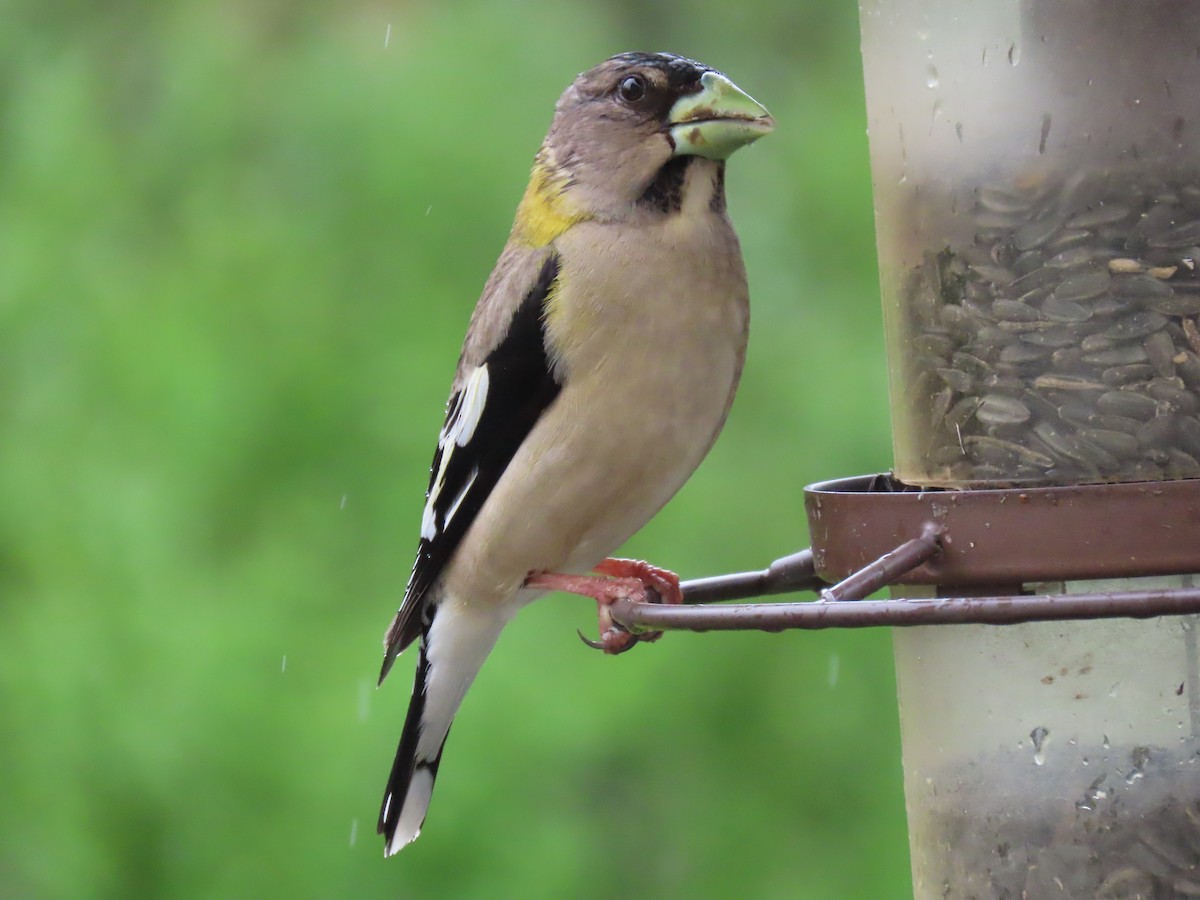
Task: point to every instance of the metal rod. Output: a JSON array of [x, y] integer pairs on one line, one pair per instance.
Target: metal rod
[[789, 574], [888, 568], [901, 613]]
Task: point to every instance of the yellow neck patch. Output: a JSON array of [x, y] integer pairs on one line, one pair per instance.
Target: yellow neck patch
[[544, 213]]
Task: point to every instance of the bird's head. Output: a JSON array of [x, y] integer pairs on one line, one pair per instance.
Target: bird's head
[[624, 134]]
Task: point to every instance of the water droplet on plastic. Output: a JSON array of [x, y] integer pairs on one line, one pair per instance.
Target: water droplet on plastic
[[1014, 54], [1039, 736], [1105, 744], [1093, 795], [1112, 691], [931, 76], [1139, 756]]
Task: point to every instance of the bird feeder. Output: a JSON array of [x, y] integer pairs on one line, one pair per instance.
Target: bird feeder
[[1036, 168], [1037, 186]]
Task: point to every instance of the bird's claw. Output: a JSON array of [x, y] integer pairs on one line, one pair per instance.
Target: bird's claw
[[615, 638], [619, 579], [614, 641]]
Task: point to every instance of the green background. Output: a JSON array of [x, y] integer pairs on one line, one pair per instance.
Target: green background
[[239, 243]]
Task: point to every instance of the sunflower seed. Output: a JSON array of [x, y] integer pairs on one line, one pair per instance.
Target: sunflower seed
[[1056, 337], [1057, 309], [1117, 356], [998, 200], [1101, 214], [1156, 432], [1084, 286], [997, 409], [1055, 382], [1154, 221], [1137, 325], [1117, 443], [1022, 353], [1188, 429], [1142, 287], [1000, 452], [1115, 376], [1176, 304], [1015, 311], [960, 413], [1160, 350], [959, 381], [1182, 236], [1095, 342], [1036, 233], [1127, 403], [1179, 399]]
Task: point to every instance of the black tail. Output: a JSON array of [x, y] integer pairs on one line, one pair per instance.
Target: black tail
[[410, 784], [455, 643]]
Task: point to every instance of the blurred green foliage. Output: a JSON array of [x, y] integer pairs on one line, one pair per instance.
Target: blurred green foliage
[[238, 246]]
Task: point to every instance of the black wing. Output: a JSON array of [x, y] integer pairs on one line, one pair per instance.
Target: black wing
[[487, 420]]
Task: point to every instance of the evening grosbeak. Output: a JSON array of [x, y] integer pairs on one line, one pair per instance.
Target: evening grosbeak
[[597, 370]]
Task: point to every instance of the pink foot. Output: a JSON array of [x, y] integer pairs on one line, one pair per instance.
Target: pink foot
[[664, 582], [618, 579]]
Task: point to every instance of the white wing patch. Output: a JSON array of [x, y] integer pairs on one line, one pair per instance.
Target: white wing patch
[[457, 432], [470, 409], [428, 525], [461, 496]]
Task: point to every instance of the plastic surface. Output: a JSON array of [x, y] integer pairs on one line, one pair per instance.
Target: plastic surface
[[1038, 214], [1053, 759]]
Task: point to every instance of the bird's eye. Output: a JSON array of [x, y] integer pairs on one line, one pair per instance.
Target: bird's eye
[[632, 88]]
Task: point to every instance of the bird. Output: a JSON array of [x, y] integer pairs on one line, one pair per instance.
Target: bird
[[598, 368]]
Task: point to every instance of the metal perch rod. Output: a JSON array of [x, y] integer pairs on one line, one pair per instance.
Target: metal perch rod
[[840, 608]]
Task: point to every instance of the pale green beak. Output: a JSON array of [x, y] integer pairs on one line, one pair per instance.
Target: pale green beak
[[717, 120]]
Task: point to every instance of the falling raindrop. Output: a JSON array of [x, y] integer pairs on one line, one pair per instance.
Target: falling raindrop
[[364, 699]]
